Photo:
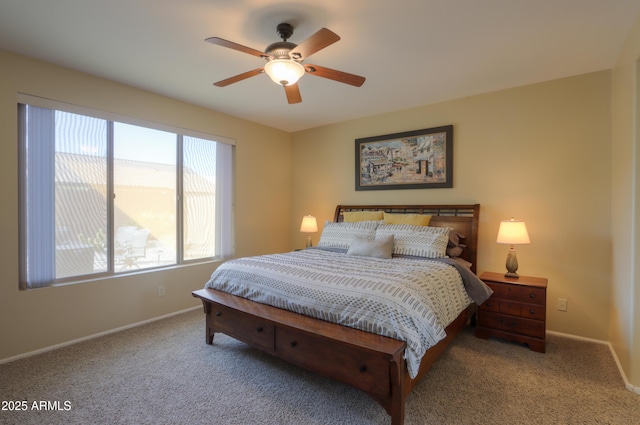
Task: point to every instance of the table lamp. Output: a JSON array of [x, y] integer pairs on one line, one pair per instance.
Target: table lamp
[[512, 232], [309, 225]]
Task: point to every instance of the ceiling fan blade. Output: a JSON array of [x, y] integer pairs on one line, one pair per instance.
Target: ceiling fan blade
[[332, 74], [235, 46], [293, 93], [316, 42], [239, 77]]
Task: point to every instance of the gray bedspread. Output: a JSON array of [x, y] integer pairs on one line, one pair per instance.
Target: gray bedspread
[[409, 299]]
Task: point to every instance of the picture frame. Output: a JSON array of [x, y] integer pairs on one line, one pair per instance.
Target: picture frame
[[419, 159]]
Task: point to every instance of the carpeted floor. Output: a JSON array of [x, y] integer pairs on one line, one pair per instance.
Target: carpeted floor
[[164, 373]]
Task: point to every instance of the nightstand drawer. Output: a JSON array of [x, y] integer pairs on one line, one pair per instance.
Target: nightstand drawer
[[512, 324], [533, 311], [495, 287], [510, 307], [490, 305], [521, 293]]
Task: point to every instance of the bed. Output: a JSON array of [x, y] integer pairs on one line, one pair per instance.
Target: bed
[[381, 363]]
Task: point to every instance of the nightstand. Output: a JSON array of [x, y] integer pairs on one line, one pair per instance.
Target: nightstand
[[516, 311]]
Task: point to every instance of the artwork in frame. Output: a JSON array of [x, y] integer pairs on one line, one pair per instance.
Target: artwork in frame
[[419, 159]]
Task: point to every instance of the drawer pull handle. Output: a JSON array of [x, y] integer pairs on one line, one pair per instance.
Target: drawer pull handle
[[260, 329], [363, 369], [532, 296], [218, 313], [294, 343], [532, 311]]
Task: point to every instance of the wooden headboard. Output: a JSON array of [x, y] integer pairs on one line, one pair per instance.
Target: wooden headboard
[[461, 218]]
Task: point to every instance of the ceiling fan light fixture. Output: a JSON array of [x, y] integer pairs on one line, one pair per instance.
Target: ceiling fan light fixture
[[284, 72], [284, 61]]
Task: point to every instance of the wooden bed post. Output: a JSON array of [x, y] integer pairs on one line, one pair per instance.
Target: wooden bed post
[[398, 395], [208, 330]]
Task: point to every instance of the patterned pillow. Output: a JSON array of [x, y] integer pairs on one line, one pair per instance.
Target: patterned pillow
[[340, 235], [417, 241]]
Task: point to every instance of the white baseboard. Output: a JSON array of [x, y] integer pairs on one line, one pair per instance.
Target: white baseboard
[[579, 338], [98, 335], [627, 384], [633, 389]]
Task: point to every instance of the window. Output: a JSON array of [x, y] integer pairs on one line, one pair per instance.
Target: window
[[101, 196]]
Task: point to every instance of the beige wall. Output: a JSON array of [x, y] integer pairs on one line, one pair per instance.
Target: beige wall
[[31, 320], [625, 190], [540, 153]]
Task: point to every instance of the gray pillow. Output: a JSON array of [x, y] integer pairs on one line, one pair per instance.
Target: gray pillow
[[378, 248]]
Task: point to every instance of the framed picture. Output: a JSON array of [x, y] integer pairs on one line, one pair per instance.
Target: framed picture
[[419, 159]]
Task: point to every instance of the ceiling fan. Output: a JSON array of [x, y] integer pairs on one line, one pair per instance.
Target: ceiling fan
[[285, 61]]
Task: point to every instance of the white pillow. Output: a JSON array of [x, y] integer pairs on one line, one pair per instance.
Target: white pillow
[[340, 235], [378, 248], [417, 241]]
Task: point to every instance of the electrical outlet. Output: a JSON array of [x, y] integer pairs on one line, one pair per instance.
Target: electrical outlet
[[161, 291], [562, 304]]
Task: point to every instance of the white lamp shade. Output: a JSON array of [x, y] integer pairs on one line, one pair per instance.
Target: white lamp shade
[[309, 224], [513, 232], [284, 71]]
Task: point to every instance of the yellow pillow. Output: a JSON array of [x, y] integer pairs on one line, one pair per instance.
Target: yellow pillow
[[415, 219], [353, 216]]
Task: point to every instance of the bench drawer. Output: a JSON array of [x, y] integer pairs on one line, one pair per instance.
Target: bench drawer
[[336, 360], [245, 327]]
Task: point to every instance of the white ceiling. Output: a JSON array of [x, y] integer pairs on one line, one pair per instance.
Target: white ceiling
[[412, 52]]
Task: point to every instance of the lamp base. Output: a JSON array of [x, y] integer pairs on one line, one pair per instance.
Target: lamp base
[[512, 263], [308, 242]]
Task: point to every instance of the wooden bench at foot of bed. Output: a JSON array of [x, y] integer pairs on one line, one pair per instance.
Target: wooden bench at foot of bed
[[371, 363]]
